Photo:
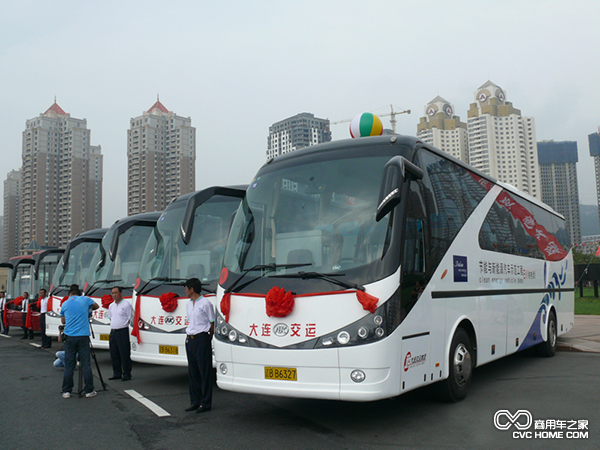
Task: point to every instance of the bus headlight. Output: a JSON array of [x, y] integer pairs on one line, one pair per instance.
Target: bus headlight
[[232, 335], [365, 330], [343, 337]]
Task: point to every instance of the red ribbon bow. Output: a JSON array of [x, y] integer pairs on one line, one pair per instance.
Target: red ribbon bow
[[279, 303], [106, 301], [168, 301]]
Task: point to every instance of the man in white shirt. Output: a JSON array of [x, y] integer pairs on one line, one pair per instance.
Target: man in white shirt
[[46, 340], [201, 318], [120, 313], [25, 305], [2, 306]]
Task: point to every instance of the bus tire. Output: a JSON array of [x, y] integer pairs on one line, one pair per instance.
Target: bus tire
[[460, 360], [548, 348]]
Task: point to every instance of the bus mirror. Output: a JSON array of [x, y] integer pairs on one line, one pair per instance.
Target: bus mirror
[[390, 191]]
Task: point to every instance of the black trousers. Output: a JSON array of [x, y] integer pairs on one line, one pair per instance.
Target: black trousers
[[46, 340], [199, 355], [120, 355]]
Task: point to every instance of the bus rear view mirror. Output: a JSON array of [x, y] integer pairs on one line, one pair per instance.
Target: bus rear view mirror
[[390, 191]]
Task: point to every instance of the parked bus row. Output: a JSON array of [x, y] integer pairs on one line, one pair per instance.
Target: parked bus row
[[353, 270]]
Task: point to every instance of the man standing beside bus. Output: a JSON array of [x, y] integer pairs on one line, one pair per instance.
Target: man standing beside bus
[[46, 340], [27, 332], [120, 313], [2, 306], [201, 317], [75, 316]]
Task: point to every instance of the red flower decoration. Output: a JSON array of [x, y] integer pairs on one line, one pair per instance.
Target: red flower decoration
[[168, 301], [368, 302], [226, 305], [106, 301], [279, 303]]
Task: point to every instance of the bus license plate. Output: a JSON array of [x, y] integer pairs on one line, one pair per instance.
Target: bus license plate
[[168, 349], [105, 337], [281, 373]]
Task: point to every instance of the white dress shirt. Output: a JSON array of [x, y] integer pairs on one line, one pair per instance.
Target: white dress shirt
[[44, 305], [200, 315], [120, 314]]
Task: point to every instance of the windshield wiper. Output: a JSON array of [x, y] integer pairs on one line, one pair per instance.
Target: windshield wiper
[[90, 291], [323, 276], [164, 280], [269, 267]]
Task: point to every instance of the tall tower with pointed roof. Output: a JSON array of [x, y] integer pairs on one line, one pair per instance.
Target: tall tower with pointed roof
[[161, 159], [502, 143], [61, 180], [441, 128]]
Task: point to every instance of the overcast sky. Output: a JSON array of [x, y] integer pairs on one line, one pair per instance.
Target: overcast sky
[[236, 67]]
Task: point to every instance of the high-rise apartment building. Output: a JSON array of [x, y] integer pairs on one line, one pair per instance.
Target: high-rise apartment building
[[594, 142], [61, 180], [10, 227], [501, 142], [293, 133], [558, 176], [444, 130], [161, 159]]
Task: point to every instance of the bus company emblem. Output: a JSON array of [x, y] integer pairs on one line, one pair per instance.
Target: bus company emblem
[[169, 320], [413, 361], [281, 329]]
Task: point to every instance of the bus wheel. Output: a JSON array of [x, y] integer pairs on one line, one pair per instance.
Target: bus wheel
[[455, 387], [548, 348]]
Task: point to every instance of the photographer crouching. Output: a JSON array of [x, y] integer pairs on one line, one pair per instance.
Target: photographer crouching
[[75, 316]]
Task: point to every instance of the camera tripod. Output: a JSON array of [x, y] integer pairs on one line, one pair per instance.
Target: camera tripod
[[80, 389]]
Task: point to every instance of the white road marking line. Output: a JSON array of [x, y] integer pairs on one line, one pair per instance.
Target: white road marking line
[[147, 403], [5, 336], [35, 345]]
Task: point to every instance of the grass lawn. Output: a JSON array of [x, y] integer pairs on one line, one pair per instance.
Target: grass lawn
[[587, 304]]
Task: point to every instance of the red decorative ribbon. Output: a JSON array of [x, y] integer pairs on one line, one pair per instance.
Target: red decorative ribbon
[[106, 301], [17, 301], [49, 307], [368, 302], [226, 305], [64, 299], [168, 301], [28, 318], [283, 303], [279, 303], [135, 330]]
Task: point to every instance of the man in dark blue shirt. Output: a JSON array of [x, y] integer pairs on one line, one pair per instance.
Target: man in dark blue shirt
[[75, 315]]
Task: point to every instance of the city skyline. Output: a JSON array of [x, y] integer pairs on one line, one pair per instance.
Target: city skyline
[[210, 62]]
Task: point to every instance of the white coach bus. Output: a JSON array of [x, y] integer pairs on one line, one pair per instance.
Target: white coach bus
[[188, 241], [72, 269], [116, 263], [362, 269]]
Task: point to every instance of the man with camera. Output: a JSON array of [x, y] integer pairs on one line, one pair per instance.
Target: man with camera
[[75, 314]]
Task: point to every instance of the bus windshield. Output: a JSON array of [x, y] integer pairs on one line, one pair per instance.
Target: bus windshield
[[319, 214], [167, 256], [76, 268], [123, 270]]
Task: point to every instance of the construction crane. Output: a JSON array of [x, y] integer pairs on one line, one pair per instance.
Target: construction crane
[[392, 115]]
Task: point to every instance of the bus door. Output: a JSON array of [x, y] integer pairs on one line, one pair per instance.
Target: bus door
[[415, 351]]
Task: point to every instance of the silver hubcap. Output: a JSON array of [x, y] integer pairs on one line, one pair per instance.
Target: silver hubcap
[[552, 332], [462, 364]]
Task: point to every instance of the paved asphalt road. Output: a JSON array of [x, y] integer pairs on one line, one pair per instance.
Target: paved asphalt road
[[33, 415]]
